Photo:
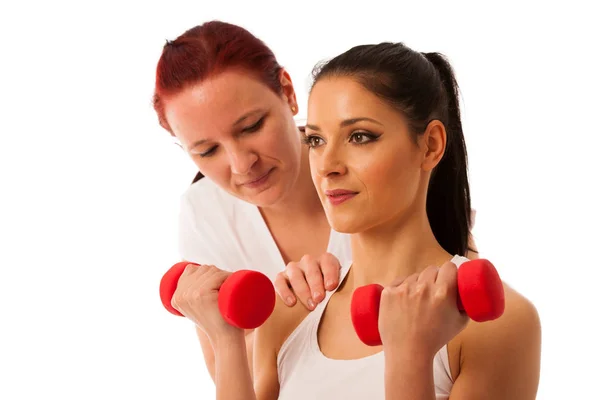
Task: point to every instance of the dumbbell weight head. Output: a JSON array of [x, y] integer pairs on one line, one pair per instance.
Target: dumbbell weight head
[[365, 313], [480, 290], [246, 299], [168, 285]]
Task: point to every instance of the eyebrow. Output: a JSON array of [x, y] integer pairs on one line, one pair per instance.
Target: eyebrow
[[347, 122], [236, 123]]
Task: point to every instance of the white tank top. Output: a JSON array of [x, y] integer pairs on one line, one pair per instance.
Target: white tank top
[[306, 373]]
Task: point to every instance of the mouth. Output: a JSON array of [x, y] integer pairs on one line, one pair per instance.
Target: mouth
[[339, 196], [257, 182]]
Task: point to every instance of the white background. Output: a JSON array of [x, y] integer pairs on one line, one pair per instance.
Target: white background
[[90, 183]]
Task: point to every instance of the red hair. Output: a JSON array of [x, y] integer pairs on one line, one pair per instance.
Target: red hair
[[206, 50]]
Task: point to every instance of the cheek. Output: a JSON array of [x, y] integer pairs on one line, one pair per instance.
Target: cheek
[[214, 168], [280, 144], [389, 176]]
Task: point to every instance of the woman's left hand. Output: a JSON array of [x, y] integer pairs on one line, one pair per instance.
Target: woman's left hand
[[420, 313]]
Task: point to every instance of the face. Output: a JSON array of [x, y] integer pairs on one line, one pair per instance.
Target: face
[[366, 166], [240, 134]]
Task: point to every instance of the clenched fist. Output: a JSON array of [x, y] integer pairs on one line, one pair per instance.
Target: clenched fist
[[196, 297], [420, 311]]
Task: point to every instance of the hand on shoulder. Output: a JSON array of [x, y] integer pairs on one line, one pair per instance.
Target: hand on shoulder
[[307, 280]]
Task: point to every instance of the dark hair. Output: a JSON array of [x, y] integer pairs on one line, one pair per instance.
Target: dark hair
[[206, 50], [423, 88]]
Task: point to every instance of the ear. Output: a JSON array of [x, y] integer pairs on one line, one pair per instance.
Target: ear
[[289, 94], [433, 143]]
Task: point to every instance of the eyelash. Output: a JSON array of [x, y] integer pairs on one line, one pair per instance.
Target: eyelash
[[249, 129], [308, 139]]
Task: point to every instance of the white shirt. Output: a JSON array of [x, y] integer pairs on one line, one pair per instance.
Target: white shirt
[[217, 228], [306, 373]]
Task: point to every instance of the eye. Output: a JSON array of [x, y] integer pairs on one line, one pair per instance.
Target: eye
[[254, 127], [312, 141], [208, 152], [362, 137]]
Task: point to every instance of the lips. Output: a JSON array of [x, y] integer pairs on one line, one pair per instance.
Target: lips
[[338, 192], [339, 196], [258, 180]]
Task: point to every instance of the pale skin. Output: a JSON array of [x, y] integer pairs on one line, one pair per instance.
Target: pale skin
[[392, 245], [236, 129]]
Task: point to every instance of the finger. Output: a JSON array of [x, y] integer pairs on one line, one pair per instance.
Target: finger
[[202, 276], [217, 279], [446, 283], [185, 278], [398, 281], [330, 268], [300, 286], [283, 289], [314, 278], [189, 269], [192, 269], [447, 274], [428, 275], [410, 280]]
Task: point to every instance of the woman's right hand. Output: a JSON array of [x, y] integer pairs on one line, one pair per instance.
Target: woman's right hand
[[196, 297], [308, 279]]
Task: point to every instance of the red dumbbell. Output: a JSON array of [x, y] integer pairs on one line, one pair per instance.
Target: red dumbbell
[[480, 296], [246, 298]]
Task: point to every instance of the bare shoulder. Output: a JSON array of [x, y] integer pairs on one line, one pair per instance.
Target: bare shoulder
[[519, 324], [501, 356]]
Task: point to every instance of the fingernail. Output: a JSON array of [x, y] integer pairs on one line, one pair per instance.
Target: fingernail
[[289, 301], [311, 304], [330, 284], [317, 296]]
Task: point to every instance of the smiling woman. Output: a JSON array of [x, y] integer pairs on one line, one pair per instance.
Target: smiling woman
[[212, 131], [222, 94]]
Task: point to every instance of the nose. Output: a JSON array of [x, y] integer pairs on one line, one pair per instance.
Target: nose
[[241, 160], [330, 162]]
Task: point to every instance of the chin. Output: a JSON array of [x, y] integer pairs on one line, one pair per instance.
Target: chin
[[346, 224], [267, 198]]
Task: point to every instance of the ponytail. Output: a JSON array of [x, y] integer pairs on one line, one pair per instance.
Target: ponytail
[[449, 197]]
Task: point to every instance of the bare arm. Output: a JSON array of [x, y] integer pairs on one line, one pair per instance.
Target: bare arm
[[501, 359], [408, 375], [267, 342], [266, 380], [209, 353], [498, 359], [232, 373]]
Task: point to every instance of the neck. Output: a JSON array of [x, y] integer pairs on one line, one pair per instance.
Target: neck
[[393, 250], [302, 201]]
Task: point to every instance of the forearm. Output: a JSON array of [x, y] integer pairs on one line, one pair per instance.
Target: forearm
[[408, 375], [209, 354], [232, 373]]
